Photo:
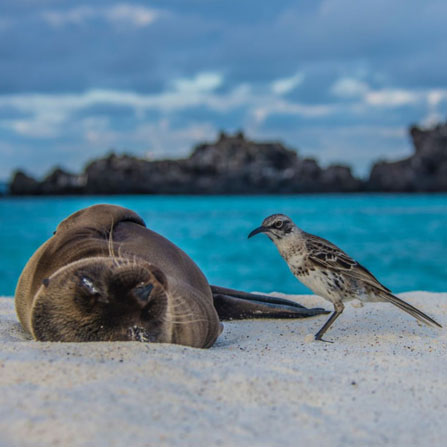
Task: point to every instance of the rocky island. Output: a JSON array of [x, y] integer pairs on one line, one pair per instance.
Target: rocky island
[[424, 171], [234, 164]]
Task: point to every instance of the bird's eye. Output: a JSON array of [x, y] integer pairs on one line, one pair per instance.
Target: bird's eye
[[278, 224]]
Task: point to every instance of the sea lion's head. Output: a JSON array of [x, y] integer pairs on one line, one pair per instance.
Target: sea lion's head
[[102, 299]]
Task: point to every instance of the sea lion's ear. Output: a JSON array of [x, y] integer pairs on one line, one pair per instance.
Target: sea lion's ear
[[46, 282], [159, 276]]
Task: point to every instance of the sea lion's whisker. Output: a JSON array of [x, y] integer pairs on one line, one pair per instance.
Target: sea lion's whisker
[[182, 316], [111, 245], [178, 305], [119, 250]]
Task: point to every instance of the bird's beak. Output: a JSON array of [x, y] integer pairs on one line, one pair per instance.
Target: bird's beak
[[260, 229]]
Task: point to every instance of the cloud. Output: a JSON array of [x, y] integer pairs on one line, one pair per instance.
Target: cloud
[[393, 97], [46, 114], [158, 138], [436, 97], [164, 139], [286, 85], [37, 127], [75, 16], [268, 106], [118, 14], [202, 82], [137, 15], [356, 90], [349, 88]]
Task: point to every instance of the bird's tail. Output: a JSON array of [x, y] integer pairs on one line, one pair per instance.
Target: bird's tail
[[416, 313]]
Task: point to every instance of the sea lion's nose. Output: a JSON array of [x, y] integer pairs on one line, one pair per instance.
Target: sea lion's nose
[[142, 293]]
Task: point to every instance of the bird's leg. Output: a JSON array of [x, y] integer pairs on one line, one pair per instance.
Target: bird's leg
[[338, 309]]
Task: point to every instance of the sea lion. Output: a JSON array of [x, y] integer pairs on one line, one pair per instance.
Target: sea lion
[[104, 276]]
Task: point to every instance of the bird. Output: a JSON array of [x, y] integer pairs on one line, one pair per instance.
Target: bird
[[328, 271]]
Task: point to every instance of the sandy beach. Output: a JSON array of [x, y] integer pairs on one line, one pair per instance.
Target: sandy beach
[[383, 382]]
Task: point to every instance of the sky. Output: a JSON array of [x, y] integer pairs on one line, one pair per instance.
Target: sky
[[338, 80]]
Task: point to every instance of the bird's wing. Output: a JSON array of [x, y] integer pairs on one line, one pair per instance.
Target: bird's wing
[[325, 254]]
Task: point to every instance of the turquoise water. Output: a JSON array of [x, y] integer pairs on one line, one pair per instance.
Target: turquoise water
[[402, 239]]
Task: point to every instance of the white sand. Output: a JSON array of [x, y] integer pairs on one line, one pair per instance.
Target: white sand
[[383, 382]]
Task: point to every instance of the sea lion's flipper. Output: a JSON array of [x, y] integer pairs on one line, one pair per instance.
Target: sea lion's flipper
[[254, 297], [236, 305]]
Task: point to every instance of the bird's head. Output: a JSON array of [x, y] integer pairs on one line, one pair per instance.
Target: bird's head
[[277, 227]]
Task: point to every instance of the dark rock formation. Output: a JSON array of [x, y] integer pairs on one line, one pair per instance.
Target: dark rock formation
[[424, 171], [129, 175], [340, 175], [23, 184], [62, 182], [57, 182], [236, 165], [231, 165]]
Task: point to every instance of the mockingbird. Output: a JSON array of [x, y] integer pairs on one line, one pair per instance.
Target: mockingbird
[[328, 271]]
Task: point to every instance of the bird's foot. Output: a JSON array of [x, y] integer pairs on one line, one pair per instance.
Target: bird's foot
[[309, 338], [317, 338]]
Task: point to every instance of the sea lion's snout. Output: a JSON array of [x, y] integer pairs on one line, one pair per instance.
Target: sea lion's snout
[[138, 294]]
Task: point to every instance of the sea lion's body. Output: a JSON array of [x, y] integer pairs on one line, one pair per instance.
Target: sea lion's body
[[104, 276], [92, 240]]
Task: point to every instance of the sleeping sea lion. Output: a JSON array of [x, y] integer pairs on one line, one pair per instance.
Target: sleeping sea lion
[[104, 276]]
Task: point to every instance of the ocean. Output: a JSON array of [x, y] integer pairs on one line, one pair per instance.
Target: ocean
[[401, 239]]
